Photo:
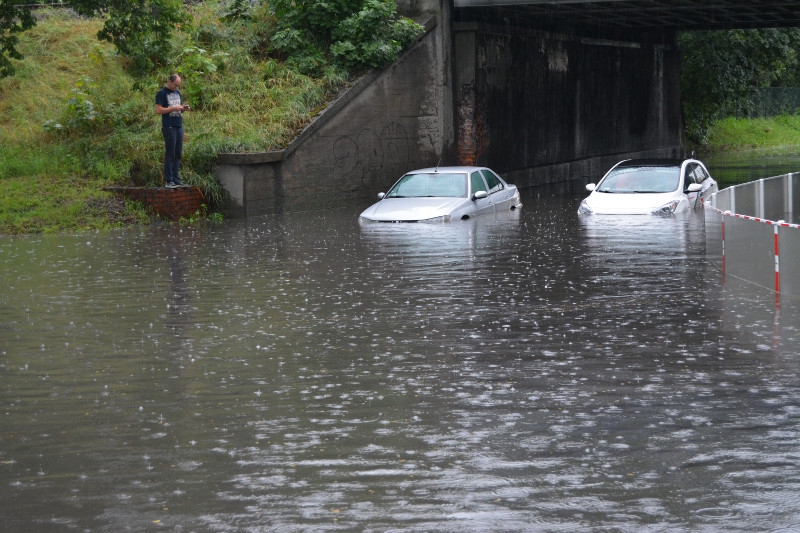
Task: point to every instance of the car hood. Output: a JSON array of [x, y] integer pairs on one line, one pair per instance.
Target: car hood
[[631, 204], [412, 209]]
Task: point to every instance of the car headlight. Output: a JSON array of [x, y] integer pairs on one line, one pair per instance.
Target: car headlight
[[584, 208], [666, 209], [445, 218]]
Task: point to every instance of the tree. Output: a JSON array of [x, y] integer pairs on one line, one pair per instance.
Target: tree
[[373, 36], [351, 33], [14, 19], [139, 29], [720, 69]]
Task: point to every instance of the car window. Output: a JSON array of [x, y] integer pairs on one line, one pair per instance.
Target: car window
[[701, 174], [476, 181], [689, 178], [697, 173], [642, 179], [434, 184], [494, 183]]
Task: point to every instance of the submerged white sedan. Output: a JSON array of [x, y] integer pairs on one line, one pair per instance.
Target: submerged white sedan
[[443, 194], [649, 186]]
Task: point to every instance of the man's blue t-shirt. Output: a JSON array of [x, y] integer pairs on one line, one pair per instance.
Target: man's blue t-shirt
[[168, 98]]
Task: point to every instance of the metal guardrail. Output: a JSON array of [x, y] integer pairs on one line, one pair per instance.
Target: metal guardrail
[[753, 229]]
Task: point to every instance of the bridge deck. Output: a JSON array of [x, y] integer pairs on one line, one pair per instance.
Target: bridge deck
[[677, 14]]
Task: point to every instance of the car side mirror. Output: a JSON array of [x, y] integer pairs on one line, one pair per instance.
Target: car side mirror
[[694, 187], [480, 194], [381, 195], [591, 187]]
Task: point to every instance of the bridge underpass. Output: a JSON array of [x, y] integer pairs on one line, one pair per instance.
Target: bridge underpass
[[543, 91], [572, 86], [650, 14]]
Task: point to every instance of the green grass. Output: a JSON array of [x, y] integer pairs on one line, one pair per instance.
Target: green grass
[[41, 192], [775, 134], [73, 120]]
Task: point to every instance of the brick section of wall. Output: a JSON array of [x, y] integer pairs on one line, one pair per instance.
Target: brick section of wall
[[471, 124], [167, 203]]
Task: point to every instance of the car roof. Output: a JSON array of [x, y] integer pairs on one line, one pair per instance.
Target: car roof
[[653, 162], [432, 170]]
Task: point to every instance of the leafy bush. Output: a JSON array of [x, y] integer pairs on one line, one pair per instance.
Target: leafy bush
[[354, 34], [237, 10], [373, 36], [197, 65]]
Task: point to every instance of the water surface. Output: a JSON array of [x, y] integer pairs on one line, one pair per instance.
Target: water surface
[[530, 372], [732, 168]]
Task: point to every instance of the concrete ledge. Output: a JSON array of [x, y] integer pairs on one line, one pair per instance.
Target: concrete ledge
[[249, 158], [173, 204]]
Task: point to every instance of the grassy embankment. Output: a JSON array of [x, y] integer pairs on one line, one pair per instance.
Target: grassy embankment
[[768, 135], [73, 121]]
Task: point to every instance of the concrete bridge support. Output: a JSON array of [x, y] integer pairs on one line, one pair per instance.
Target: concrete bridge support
[[538, 106], [549, 107]]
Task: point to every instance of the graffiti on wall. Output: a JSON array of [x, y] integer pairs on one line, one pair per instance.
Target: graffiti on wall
[[372, 157]]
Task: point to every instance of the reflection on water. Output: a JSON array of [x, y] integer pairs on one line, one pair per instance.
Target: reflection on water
[[742, 167], [530, 372]]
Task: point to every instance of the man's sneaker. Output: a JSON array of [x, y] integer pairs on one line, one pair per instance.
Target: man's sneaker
[[172, 185], [177, 182]]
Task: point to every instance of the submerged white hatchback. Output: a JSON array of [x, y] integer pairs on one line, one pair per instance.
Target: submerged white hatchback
[[443, 194], [649, 186]]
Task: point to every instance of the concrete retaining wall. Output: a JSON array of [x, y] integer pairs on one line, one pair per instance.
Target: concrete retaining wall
[[388, 122]]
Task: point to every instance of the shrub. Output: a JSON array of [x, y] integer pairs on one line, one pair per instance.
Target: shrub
[[355, 34]]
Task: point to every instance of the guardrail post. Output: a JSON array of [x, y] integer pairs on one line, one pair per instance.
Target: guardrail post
[[747, 246]]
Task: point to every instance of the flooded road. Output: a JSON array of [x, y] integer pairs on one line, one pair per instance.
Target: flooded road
[[732, 168], [530, 372]]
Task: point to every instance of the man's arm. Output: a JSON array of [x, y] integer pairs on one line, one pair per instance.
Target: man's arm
[[161, 110]]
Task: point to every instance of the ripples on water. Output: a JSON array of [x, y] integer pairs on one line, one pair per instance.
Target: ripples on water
[[533, 372]]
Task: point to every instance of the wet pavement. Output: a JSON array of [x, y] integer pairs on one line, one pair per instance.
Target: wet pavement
[[534, 371]]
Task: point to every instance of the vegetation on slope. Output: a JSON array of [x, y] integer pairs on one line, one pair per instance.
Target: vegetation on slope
[[77, 116], [776, 134]]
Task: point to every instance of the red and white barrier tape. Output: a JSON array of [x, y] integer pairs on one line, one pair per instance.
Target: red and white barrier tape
[[776, 240]]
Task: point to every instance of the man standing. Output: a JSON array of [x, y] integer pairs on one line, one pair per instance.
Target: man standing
[[169, 105]]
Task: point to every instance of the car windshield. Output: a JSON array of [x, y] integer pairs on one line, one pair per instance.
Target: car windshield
[[453, 185], [642, 179]]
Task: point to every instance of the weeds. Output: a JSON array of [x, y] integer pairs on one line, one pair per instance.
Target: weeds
[[73, 120]]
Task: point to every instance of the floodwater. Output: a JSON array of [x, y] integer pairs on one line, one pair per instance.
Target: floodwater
[[533, 371], [740, 167]]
